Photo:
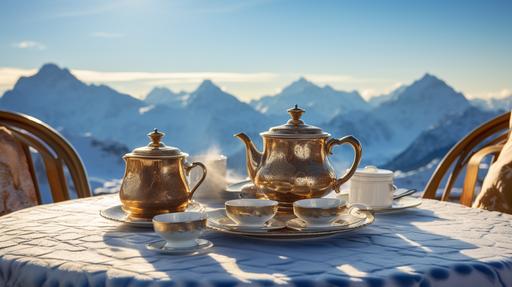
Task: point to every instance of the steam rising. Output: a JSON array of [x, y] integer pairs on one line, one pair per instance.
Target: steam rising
[[215, 183]]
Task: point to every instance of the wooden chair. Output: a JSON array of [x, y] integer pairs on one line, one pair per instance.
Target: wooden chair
[[486, 140], [55, 151]]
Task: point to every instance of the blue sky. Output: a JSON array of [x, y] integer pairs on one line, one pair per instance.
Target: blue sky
[[256, 47]]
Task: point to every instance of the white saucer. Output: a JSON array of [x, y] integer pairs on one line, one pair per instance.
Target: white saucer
[[399, 205], [159, 246], [219, 218], [342, 222], [116, 213]]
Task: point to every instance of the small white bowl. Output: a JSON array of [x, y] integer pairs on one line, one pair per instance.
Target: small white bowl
[[251, 212], [180, 229], [319, 211]]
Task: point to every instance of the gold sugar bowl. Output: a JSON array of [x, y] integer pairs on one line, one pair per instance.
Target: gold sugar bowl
[[155, 179], [294, 163]]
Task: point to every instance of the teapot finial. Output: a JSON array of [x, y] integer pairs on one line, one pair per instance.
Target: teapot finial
[[156, 137], [296, 113]]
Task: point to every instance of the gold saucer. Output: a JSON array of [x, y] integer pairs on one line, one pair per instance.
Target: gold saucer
[[116, 213]]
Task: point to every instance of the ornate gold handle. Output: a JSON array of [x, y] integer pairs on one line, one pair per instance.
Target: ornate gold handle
[[188, 168], [357, 156]]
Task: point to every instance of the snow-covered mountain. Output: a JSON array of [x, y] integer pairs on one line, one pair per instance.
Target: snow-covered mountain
[[503, 104], [437, 140], [208, 117], [419, 106], [321, 103], [222, 115], [164, 96], [373, 134], [60, 99], [391, 126]]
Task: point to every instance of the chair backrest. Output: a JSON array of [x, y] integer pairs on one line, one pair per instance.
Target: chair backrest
[[55, 151], [487, 139]]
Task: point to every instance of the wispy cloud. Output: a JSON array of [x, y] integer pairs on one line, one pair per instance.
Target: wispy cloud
[[192, 77], [338, 78], [27, 44], [500, 94], [107, 35], [370, 93], [9, 76], [490, 95], [139, 80]]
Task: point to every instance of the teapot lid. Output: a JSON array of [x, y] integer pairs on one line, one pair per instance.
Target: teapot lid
[[156, 148], [295, 127]]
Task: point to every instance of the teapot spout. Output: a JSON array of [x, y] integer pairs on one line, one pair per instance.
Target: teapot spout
[[252, 155]]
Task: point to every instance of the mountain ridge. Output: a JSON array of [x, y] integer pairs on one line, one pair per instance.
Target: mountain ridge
[[208, 116], [307, 94]]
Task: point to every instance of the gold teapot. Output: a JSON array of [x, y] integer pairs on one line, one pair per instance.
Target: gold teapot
[[155, 179], [294, 163]]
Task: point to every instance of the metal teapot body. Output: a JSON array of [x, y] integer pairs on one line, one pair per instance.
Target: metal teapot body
[[155, 180], [294, 163]]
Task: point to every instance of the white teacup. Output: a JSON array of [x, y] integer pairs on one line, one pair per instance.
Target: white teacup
[[251, 212], [372, 187], [180, 229], [319, 211]]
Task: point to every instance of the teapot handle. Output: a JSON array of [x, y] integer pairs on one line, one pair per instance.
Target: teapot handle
[[188, 168], [357, 156]]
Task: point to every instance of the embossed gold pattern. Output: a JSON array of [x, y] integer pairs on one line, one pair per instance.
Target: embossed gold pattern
[[186, 226], [155, 179], [324, 210], [251, 211]]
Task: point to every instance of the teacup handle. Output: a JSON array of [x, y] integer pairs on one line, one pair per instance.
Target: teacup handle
[[357, 207], [188, 168], [357, 156]]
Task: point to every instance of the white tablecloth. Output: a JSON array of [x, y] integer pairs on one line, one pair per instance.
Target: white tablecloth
[[437, 244]]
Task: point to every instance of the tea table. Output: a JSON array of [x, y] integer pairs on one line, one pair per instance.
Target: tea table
[[436, 244]]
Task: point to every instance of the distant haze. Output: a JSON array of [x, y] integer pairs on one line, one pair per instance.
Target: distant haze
[[245, 86], [407, 129]]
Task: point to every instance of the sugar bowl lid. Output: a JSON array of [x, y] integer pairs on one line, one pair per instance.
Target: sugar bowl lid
[[295, 127], [371, 172], [156, 148]]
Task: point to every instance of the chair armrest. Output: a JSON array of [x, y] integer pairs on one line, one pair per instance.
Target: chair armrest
[[472, 172]]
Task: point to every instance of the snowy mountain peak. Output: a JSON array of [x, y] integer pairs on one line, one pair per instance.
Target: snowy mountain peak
[[163, 95], [160, 90], [209, 94], [429, 80], [49, 75], [52, 71], [321, 103], [299, 85], [207, 86], [429, 76], [302, 81], [431, 89]]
